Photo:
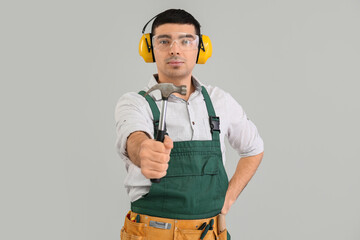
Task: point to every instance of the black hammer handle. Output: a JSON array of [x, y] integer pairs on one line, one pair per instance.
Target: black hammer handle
[[160, 136]]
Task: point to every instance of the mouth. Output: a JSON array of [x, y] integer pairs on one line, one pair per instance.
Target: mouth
[[175, 63]]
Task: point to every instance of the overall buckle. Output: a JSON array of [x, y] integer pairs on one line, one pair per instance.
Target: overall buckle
[[214, 124]]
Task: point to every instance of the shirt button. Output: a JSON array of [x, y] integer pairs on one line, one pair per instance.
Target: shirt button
[[193, 123]]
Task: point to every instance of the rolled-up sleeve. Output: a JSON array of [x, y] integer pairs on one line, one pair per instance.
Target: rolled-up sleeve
[[131, 115], [242, 133]]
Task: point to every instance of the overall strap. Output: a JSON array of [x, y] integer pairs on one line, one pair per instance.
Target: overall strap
[[213, 119], [154, 109]]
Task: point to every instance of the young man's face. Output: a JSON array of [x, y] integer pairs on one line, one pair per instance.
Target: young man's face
[[175, 51]]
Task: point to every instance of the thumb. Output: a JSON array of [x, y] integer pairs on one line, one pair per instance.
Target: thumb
[[168, 142]]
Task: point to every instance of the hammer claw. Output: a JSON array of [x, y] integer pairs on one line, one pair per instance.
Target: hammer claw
[[167, 88]]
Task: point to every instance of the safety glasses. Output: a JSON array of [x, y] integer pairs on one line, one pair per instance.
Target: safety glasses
[[185, 41]]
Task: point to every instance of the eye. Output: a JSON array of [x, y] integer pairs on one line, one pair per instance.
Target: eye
[[186, 41], [163, 42]]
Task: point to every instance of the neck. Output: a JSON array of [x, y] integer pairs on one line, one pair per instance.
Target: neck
[[180, 81]]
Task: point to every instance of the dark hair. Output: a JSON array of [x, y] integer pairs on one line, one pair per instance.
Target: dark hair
[[175, 16]]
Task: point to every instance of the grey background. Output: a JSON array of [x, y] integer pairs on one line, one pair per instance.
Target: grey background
[[292, 65]]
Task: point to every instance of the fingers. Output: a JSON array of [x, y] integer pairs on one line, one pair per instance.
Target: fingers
[[154, 157], [155, 151], [154, 170], [157, 146], [152, 174], [147, 154]]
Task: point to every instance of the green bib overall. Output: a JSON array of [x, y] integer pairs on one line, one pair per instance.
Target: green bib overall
[[196, 180]]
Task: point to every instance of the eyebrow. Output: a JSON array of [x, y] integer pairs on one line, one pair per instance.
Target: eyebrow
[[188, 36], [164, 36]]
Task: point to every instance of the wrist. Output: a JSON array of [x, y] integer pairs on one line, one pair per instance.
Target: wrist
[[133, 146]]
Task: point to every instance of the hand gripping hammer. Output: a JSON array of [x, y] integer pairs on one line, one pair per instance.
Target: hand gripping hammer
[[166, 89]]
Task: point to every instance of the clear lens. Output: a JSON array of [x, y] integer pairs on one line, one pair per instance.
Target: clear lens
[[185, 41]]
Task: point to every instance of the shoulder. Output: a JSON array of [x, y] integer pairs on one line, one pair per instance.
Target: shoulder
[[131, 99], [216, 93], [132, 103], [224, 102]]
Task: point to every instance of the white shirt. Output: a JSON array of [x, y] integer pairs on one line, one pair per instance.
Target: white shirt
[[185, 121]]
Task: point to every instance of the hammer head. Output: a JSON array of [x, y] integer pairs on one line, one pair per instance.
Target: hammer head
[[168, 88]]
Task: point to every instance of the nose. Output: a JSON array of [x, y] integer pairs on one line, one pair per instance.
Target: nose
[[174, 48]]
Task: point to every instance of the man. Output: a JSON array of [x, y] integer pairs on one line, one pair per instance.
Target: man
[[193, 188]]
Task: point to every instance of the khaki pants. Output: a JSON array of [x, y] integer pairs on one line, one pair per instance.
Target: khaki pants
[[179, 229]]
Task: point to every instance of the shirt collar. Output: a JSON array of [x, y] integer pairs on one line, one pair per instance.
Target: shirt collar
[[156, 95]]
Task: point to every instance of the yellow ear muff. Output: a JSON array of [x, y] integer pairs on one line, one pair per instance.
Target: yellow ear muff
[[145, 48], [205, 50]]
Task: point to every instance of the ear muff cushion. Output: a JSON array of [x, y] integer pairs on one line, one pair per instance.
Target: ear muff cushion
[[145, 48], [204, 55]]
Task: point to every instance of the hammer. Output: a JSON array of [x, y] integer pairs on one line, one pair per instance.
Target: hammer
[[166, 89]]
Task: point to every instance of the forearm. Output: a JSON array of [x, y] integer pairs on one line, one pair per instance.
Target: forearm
[[133, 146], [245, 170]]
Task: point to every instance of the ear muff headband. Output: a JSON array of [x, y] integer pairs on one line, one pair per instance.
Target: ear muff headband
[[147, 53]]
